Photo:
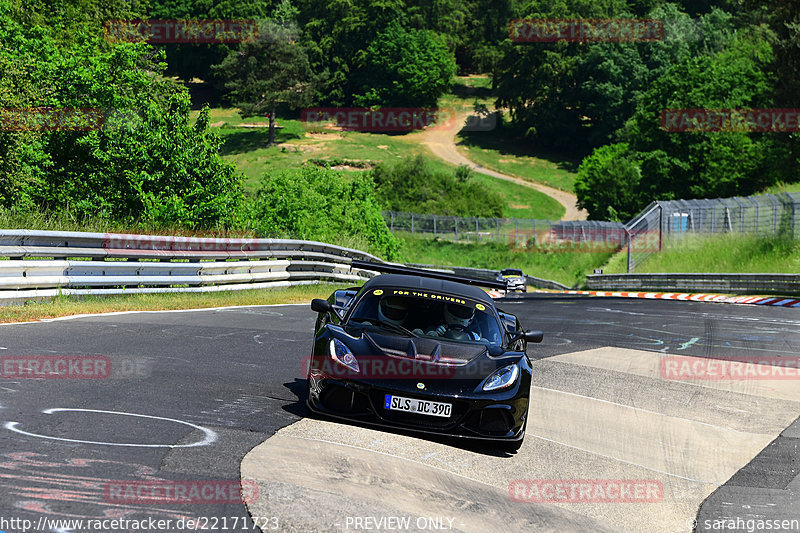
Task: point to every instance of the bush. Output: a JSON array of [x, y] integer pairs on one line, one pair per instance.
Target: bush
[[411, 185], [320, 204]]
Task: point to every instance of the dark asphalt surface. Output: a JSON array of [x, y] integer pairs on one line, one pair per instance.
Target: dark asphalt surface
[[228, 379]]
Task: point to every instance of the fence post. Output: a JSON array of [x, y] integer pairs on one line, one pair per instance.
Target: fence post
[[434, 226], [516, 230], [774, 214], [412, 224], [791, 203], [660, 227], [713, 214], [392, 226], [756, 220], [477, 231], [497, 221], [741, 214], [628, 238], [455, 219]]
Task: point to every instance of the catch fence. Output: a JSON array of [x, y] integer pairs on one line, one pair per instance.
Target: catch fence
[[642, 236]]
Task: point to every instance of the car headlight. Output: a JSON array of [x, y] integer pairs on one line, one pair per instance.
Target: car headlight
[[340, 353], [502, 378]]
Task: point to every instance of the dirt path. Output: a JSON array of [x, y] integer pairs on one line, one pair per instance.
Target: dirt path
[[442, 143]]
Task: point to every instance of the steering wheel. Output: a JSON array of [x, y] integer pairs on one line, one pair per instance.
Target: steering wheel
[[457, 332]]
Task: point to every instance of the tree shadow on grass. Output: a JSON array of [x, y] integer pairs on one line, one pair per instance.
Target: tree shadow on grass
[[240, 142], [462, 90], [509, 144]]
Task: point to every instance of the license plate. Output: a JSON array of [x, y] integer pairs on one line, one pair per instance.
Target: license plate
[[423, 407]]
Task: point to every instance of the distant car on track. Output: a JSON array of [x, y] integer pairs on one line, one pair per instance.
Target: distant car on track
[[425, 352], [514, 278]]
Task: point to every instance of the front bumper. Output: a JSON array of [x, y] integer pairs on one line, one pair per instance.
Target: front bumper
[[499, 416]]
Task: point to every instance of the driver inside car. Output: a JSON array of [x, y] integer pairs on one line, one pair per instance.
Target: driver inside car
[[459, 323], [392, 310]]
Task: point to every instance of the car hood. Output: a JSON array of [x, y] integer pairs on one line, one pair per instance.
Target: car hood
[[423, 349]]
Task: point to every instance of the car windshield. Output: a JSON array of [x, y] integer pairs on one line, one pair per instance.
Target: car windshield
[[428, 314], [511, 272]]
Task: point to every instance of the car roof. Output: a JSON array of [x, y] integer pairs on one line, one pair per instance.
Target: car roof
[[419, 282]]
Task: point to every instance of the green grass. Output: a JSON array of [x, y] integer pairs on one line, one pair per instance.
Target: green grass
[[66, 306], [721, 253], [501, 151], [783, 187], [521, 201], [64, 221], [567, 268], [296, 144], [246, 148]]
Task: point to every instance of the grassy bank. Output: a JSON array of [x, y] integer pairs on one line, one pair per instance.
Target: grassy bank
[[245, 145], [499, 151], [564, 267], [719, 253], [67, 306]]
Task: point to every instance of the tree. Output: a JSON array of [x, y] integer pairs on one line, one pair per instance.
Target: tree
[[708, 164], [607, 185], [139, 158], [270, 72], [405, 68], [320, 204]]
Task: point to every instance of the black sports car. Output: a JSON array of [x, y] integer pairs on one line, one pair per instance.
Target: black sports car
[[422, 354]]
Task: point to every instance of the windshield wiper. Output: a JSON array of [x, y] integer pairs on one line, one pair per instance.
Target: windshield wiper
[[387, 325]]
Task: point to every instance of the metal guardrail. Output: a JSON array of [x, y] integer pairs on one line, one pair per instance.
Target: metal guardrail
[[784, 284], [482, 273], [120, 263]]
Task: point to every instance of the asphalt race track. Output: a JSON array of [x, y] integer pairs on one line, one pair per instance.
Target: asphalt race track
[[203, 399]]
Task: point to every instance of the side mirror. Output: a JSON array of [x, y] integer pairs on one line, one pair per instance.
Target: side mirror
[[533, 336], [321, 306]]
